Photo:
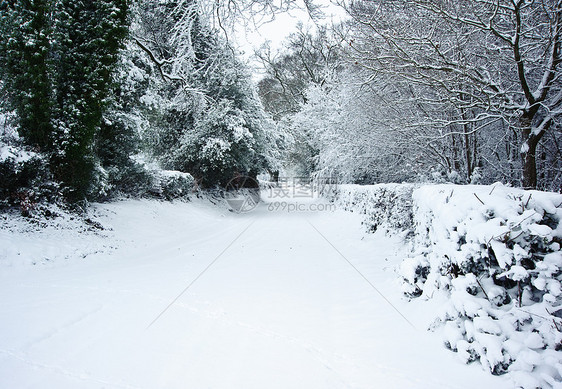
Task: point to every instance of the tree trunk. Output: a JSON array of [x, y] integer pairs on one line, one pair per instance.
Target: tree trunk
[[529, 178], [467, 148], [466, 137], [528, 153]]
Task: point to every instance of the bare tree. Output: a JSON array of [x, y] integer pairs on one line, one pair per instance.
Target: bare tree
[[308, 58], [478, 64]]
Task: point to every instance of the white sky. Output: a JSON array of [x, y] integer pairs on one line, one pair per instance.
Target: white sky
[[277, 30]]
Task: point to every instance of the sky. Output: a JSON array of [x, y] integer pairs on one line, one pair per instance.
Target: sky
[[249, 39]]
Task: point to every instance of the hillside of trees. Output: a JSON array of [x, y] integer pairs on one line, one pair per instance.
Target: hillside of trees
[[100, 97]]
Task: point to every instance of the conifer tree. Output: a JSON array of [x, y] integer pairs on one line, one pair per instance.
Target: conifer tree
[[25, 67], [88, 35]]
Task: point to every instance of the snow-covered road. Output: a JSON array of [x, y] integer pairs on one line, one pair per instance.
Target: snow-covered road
[[277, 302]]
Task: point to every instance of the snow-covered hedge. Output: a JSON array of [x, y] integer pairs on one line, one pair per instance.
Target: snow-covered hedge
[[495, 252], [492, 255], [387, 206]]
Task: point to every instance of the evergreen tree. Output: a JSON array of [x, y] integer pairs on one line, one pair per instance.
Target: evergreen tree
[[89, 35], [25, 67], [228, 136], [119, 138]]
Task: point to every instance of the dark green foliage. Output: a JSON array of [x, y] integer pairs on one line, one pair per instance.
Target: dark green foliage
[[25, 67], [88, 38], [24, 183], [56, 64]]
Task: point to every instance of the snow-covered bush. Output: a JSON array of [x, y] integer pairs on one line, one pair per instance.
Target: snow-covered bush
[[24, 177], [495, 251], [221, 143], [387, 206], [132, 180], [170, 184]]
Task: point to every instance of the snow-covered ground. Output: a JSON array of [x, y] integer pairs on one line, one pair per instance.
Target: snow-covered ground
[[190, 295]]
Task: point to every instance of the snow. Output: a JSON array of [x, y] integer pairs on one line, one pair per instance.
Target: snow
[[386, 206], [18, 156], [486, 262], [175, 174], [279, 307], [459, 232]]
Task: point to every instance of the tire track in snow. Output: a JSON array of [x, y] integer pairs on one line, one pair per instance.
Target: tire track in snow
[[331, 361], [62, 329], [60, 371]]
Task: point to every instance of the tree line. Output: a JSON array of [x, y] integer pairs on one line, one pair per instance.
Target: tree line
[[99, 92], [465, 91], [98, 96]]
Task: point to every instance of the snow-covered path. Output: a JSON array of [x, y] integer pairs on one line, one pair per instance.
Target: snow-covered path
[[279, 307]]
